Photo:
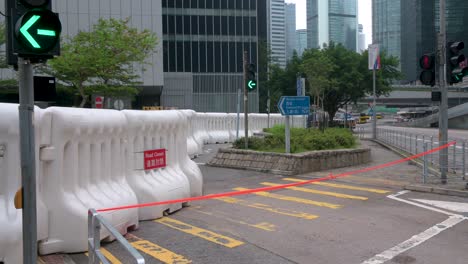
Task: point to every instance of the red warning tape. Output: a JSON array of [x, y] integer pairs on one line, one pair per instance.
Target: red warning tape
[[266, 189]]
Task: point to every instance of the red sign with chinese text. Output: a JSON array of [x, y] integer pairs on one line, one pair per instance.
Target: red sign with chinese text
[[155, 159]]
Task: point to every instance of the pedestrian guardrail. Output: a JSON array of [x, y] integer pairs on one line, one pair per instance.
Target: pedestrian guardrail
[[413, 143], [95, 221]]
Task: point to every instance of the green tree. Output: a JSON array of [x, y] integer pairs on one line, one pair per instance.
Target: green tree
[[103, 59], [338, 76]]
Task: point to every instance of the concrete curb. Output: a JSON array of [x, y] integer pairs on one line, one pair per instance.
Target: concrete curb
[[437, 190]]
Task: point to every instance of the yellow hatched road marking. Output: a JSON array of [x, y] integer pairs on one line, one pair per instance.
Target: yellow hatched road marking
[[111, 258], [263, 225], [341, 186], [293, 199], [339, 195], [268, 208], [158, 252], [200, 232]]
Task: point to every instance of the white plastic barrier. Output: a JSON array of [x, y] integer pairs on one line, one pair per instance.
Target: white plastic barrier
[[10, 183], [84, 166], [200, 124], [149, 130], [217, 129], [193, 146]]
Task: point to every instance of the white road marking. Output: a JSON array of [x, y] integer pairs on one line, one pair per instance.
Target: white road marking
[[452, 206], [418, 239], [395, 197], [414, 241], [200, 164]]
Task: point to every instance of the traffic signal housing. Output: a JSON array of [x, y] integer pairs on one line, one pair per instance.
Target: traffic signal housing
[[33, 30], [457, 66], [427, 63], [251, 80]]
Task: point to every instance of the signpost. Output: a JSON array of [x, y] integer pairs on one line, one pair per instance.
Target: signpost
[[374, 64], [291, 106]]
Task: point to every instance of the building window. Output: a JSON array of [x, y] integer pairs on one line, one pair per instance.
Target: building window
[[172, 56], [164, 24], [209, 4], [180, 56], [202, 28], [179, 25], [178, 3], [165, 56], [186, 25], [171, 23], [239, 26], [246, 26], [232, 57], [239, 56], [187, 56], [195, 56], [194, 4], [202, 56], [209, 25], [217, 56], [225, 57], [217, 25], [224, 25], [209, 57], [232, 26], [253, 26], [194, 25]]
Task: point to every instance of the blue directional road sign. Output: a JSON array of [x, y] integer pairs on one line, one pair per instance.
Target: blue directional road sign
[[294, 105]]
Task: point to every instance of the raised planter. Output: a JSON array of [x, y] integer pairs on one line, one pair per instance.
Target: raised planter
[[290, 164]]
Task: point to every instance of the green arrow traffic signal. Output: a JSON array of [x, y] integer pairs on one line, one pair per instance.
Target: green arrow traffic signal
[[38, 31], [252, 84]]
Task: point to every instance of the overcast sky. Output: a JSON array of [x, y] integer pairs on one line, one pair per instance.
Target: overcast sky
[[365, 16]]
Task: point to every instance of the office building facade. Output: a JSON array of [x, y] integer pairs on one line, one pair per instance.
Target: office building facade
[[290, 10], [301, 41], [386, 25], [332, 21], [277, 32], [361, 39], [204, 43]]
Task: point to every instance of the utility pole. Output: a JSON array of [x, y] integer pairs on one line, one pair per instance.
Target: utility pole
[[443, 115], [246, 100], [374, 108]]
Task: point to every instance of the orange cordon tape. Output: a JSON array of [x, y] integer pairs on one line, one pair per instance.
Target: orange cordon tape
[[266, 189]]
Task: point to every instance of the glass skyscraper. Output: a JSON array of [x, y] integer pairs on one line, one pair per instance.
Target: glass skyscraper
[[386, 25], [332, 21], [290, 10]]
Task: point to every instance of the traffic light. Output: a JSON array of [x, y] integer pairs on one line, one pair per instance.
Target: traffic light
[[251, 80], [457, 66], [33, 30], [427, 63]]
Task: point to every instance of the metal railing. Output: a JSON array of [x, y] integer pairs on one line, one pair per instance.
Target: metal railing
[[413, 143], [95, 221]]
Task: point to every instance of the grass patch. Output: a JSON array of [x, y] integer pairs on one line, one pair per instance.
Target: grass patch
[[302, 140]]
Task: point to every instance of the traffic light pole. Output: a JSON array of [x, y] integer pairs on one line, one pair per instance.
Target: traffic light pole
[[443, 115], [374, 114], [28, 160], [246, 100]]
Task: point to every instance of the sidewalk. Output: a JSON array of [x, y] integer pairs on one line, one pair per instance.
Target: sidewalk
[[405, 175]]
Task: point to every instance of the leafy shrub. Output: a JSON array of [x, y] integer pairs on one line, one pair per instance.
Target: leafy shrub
[[302, 139]]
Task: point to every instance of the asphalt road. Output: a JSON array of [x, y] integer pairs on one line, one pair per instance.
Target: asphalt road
[[345, 222]]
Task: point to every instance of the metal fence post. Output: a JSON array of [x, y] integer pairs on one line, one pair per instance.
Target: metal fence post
[[463, 161], [432, 146], [424, 164], [454, 168], [416, 145], [410, 142]]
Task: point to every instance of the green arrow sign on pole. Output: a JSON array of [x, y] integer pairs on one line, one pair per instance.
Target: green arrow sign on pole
[[38, 31]]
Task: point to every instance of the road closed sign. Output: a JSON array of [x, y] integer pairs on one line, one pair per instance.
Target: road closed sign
[[154, 159]]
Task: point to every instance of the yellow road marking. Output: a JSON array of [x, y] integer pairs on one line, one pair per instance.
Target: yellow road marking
[[159, 252], [111, 258], [200, 232], [341, 186], [268, 208], [339, 195], [263, 225], [293, 199]]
